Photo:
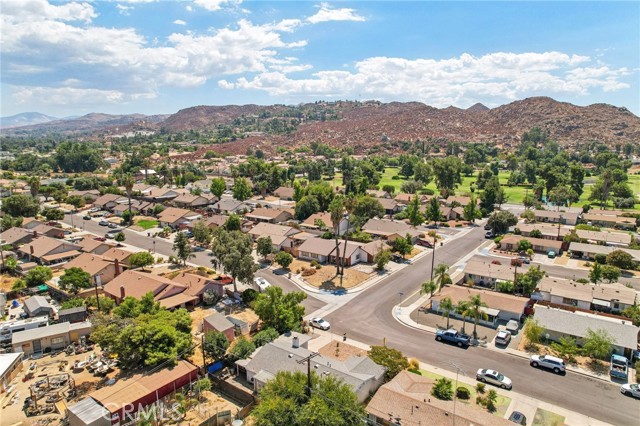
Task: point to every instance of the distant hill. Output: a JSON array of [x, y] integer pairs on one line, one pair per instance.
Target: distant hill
[[24, 119], [371, 126]]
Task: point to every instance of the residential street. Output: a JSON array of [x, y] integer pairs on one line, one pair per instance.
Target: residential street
[[367, 317]]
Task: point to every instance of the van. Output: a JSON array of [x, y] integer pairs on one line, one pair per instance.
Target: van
[[489, 234]]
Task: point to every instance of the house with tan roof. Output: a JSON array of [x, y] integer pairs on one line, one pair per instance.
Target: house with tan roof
[[89, 195], [197, 285], [564, 218], [617, 239], [48, 251], [284, 192], [193, 201], [49, 231], [269, 215], [390, 229], [459, 200], [510, 243], [168, 293], [405, 199], [324, 251], [589, 251], [137, 206], [16, 236], [612, 297], [315, 220], [389, 205], [230, 205], [212, 222], [406, 400], [549, 232], [159, 195], [91, 245], [100, 269], [378, 193], [500, 306], [610, 221], [115, 253], [487, 274], [108, 201], [175, 216]]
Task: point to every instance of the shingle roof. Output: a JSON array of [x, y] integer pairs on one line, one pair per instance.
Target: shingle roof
[[385, 227], [15, 235], [596, 248], [218, 322], [576, 324], [610, 237], [171, 214], [493, 299], [137, 284], [36, 302], [90, 263], [43, 245], [264, 228], [39, 333]]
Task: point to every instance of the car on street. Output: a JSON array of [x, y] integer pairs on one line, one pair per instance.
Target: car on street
[[397, 258], [94, 209], [518, 418], [103, 223], [424, 243], [452, 336], [551, 254], [488, 227], [524, 259], [630, 389], [99, 238], [113, 225], [503, 338], [319, 323], [549, 362], [489, 234], [262, 284], [86, 217], [493, 377]]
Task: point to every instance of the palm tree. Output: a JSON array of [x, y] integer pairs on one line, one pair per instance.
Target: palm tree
[[442, 275], [474, 311], [128, 182], [336, 208], [34, 185], [446, 306], [462, 310], [428, 287]]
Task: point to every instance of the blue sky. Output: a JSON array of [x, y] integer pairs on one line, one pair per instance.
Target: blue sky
[[147, 56]]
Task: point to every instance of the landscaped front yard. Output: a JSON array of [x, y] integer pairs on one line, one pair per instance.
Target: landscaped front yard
[[147, 223], [325, 278]]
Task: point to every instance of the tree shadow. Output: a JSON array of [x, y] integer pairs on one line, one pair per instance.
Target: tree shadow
[[330, 285]]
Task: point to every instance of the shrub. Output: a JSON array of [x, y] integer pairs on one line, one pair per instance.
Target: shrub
[[463, 393], [396, 177], [443, 389], [481, 401], [491, 406], [314, 263], [308, 272], [480, 387], [600, 258], [414, 364]]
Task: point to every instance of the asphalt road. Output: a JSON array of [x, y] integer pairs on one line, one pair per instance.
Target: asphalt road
[[368, 318]]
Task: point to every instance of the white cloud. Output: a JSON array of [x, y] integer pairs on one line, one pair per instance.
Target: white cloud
[[462, 81], [179, 22], [41, 10], [124, 10], [78, 97], [214, 5], [326, 14]]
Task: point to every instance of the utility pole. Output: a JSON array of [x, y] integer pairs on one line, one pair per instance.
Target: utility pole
[[344, 250], [455, 389], [433, 255], [308, 361]]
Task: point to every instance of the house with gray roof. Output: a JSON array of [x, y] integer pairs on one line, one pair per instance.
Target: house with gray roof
[[36, 306], [563, 323], [362, 374], [230, 205], [52, 337], [218, 322]]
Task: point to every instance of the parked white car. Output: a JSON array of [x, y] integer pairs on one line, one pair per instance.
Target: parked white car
[[320, 323], [493, 377], [503, 338], [631, 389], [549, 362], [262, 284]]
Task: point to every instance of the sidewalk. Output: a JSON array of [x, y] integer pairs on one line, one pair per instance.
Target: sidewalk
[[519, 402]]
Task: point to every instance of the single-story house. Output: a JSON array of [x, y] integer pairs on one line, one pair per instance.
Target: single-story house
[[324, 251], [137, 206], [610, 221], [120, 403], [108, 201], [159, 195], [450, 213], [10, 366], [73, 315], [269, 215], [549, 232], [55, 336], [589, 251], [459, 200], [487, 274], [510, 243], [563, 323], [175, 216], [616, 239], [614, 297], [90, 195], [313, 222], [168, 293], [218, 322], [122, 256], [390, 229], [193, 201], [406, 398], [500, 306], [100, 269], [37, 306], [378, 193], [405, 199], [198, 285], [16, 236], [264, 229], [565, 218], [91, 245], [389, 205], [47, 231], [48, 251], [283, 354], [284, 192], [229, 206]]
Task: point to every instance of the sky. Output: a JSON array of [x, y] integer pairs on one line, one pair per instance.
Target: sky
[[156, 57]]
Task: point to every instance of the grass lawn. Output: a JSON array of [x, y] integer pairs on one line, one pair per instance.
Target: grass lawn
[[547, 418], [515, 194], [147, 224], [502, 402]]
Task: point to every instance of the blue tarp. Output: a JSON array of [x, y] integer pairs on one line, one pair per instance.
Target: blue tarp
[[15, 304], [216, 366]]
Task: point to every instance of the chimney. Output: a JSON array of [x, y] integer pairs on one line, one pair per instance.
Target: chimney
[[296, 342], [35, 234], [122, 293], [116, 265]]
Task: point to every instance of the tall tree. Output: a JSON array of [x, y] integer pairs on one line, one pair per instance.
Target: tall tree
[[447, 307], [391, 358], [232, 251], [241, 189], [75, 279], [336, 209], [182, 247], [215, 345], [476, 312], [428, 287], [264, 246], [128, 181], [470, 212], [447, 174], [218, 186], [280, 311], [441, 275], [141, 259], [20, 205], [34, 185], [413, 212]]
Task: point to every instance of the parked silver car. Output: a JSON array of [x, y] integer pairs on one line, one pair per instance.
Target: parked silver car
[[549, 362], [503, 338], [493, 377]]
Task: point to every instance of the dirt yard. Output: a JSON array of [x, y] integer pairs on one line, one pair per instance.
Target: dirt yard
[[6, 282], [325, 277], [341, 351]]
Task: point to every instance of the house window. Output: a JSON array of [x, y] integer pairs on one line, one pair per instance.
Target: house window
[[57, 340], [568, 301]]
